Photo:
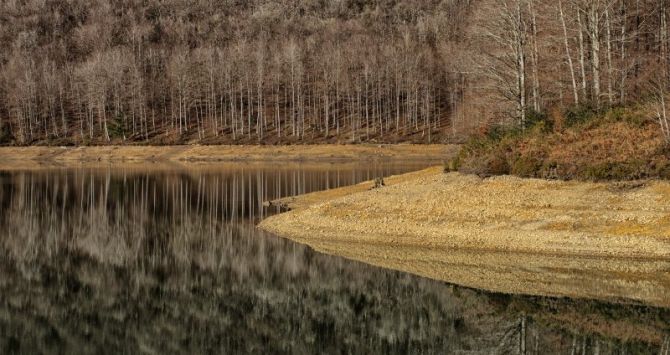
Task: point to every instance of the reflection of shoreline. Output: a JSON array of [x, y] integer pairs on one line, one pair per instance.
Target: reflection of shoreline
[[608, 279], [503, 234]]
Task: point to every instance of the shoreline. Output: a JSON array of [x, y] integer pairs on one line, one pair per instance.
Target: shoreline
[[608, 241], [36, 156]]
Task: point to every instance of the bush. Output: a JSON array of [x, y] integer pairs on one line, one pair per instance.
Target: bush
[[527, 166], [497, 132], [663, 170], [535, 120], [579, 115], [628, 170], [619, 144], [116, 127], [454, 164], [497, 164], [633, 117], [6, 136]]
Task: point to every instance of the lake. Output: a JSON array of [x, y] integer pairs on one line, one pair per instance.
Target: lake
[[167, 259]]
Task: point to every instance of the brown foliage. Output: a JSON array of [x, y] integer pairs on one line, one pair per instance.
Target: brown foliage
[[611, 146], [101, 72]]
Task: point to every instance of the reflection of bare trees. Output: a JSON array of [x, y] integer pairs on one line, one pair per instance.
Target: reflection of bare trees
[[127, 219]]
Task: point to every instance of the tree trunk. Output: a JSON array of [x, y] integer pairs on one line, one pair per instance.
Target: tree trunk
[[610, 70], [594, 35], [582, 55], [534, 58], [624, 67], [521, 64], [567, 53]]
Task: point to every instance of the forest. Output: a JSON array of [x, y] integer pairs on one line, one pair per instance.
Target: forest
[[78, 72]]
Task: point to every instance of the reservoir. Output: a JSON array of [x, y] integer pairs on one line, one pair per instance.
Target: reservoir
[[162, 259]]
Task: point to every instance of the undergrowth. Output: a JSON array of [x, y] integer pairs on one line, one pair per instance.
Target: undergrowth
[[620, 143]]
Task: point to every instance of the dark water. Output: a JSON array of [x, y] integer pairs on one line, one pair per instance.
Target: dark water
[[155, 260]]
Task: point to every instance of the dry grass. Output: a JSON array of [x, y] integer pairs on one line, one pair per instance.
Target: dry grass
[[306, 200], [25, 157]]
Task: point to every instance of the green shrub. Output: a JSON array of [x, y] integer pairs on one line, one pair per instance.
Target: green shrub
[[636, 117], [527, 166], [579, 115], [116, 127], [628, 170], [535, 120], [454, 164], [663, 170], [6, 136], [497, 132]]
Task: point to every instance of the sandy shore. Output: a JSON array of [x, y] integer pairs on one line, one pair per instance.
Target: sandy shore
[[597, 240], [25, 157]]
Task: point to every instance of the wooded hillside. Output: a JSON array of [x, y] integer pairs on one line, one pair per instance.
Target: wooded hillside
[[285, 71]]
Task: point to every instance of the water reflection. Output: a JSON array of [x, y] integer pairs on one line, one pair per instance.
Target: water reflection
[[166, 261]]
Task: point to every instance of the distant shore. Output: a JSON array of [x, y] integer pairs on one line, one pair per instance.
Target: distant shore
[[598, 240], [18, 157]]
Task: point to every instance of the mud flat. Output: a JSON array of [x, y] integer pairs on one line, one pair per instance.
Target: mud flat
[[608, 241], [27, 157]]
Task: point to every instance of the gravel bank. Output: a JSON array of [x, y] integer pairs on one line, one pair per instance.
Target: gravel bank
[[599, 240]]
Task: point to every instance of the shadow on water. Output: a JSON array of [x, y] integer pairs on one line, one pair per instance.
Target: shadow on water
[[168, 261]]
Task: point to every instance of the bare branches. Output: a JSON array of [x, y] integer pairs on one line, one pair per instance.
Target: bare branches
[[273, 72]]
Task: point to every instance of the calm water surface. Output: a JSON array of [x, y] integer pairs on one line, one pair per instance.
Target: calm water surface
[[167, 260]]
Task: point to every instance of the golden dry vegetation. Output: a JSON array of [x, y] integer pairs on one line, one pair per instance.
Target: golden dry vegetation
[[27, 157]]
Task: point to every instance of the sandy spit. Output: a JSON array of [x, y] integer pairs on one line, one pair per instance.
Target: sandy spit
[[596, 240]]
